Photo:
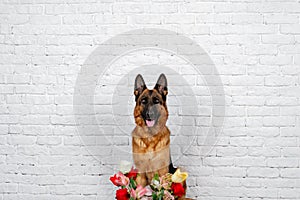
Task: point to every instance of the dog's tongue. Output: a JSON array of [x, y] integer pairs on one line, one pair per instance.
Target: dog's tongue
[[150, 123]]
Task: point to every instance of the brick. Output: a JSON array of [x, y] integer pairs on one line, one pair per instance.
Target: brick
[[276, 60], [130, 8], [263, 70], [290, 173], [289, 49], [49, 140], [262, 172], [280, 19], [3, 129], [56, 9], [226, 49], [244, 29], [290, 29], [163, 8], [275, 101], [274, 7], [21, 160], [262, 111], [246, 141], [290, 151], [215, 161], [72, 151], [18, 79], [264, 151], [178, 19], [110, 19], [231, 151], [95, 8], [198, 7], [282, 162], [261, 50], [289, 131], [35, 120], [230, 7], [250, 162], [195, 30], [277, 39], [246, 80], [21, 140], [209, 18], [248, 39], [288, 111], [247, 19], [279, 121], [78, 19], [37, 99], [289, 193], [32, 150], [280, 80], [9, 188], [229, 172], [147, 19], [42, 20], [248, 100], [9, 119]]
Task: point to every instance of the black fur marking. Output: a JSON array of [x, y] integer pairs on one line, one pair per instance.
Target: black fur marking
[[172, 169]]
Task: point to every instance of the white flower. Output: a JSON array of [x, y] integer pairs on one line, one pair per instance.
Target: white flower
[[156, 182], [125, 166]]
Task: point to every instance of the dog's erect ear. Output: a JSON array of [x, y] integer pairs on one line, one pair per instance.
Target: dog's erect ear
[[139, 86], [162, 85]]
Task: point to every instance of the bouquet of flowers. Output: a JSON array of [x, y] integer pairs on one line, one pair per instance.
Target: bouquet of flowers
[[166, 187]]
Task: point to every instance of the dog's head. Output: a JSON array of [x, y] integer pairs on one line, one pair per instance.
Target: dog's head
[[150, 109]]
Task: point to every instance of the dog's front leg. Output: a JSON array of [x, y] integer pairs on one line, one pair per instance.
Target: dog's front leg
[[141, 179]]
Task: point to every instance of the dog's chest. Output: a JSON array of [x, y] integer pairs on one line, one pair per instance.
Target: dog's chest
[[152, 153], [150, 144]]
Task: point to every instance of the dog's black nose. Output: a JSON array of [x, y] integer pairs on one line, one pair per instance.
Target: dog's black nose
[[150, 115]]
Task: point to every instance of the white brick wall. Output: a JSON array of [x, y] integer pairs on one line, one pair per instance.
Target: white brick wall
[[255, 46]]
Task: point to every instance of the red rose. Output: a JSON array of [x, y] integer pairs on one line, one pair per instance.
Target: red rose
[[114, 180], [132, 174], [122, 194], [177, 189], [119, 179]]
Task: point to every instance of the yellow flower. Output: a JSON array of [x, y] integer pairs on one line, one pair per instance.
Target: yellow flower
[[179, 177]]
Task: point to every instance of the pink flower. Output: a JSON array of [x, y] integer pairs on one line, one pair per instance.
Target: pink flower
[[168, 195], [119, 179], [166, 181], [147, 198], [139, 192]]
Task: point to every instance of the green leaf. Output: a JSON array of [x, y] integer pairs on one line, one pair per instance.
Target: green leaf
[[154, 196], [156, 177], [162, 193], [132, 184]]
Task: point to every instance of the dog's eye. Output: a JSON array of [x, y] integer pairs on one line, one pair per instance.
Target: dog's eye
[[155, 100], [144, 101]]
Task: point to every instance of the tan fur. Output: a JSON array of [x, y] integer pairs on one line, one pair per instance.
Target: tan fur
[[151, 146]]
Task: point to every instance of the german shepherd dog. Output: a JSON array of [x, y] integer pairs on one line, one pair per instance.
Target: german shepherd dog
[[151, 136]]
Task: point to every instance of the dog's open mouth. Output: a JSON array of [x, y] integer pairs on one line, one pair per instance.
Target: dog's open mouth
[[150, 123]]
